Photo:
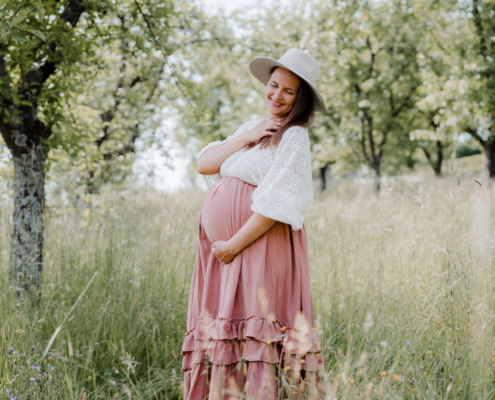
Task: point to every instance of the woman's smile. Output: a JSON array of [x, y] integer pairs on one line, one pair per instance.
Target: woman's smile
[[276, 104]]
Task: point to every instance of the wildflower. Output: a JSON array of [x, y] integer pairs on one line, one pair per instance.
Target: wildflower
[[11, 349], [442, 380], [414, 389], [411, 381], [336, 326], [396, 377], [51, 368], [424, 373], [359, 372], [451, 378], [414, 351], [351, 381], [409, 343], [339, 365], [32, 379], [63, 342], [330, 348], [458, 357], [35, 367], [97, 344], [383, 373]]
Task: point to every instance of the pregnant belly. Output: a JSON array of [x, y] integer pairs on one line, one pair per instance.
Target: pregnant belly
[[226, 207]]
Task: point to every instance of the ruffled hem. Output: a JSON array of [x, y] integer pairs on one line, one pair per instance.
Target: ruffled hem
[[224, 341]]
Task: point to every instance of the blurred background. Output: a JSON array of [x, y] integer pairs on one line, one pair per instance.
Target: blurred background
[[408, 86]]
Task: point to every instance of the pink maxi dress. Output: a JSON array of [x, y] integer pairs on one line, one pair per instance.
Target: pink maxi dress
[[250, 327]]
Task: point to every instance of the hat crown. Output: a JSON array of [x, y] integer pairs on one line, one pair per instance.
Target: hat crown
[[302, 64]]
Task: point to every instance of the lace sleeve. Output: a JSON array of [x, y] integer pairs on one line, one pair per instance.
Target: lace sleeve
[[287, 188], [210, 180]]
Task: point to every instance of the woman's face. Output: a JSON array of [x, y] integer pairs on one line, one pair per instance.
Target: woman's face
[[281, 92]]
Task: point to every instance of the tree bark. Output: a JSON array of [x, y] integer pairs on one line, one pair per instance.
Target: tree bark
[[29, 199], [489, 148]]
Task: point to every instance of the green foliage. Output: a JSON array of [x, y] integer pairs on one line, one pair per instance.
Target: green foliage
[[15, 18], [466, 150]]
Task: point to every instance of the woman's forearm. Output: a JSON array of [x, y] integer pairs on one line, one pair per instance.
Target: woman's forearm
[[210, 161], [254, 227]]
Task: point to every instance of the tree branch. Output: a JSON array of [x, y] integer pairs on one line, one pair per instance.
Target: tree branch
[[382, 143], [474, 134], [16, 11], [398, 110], [363, 142], [479, 27], [72, 13]]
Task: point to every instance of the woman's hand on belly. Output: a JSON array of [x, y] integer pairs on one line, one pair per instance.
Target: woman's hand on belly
[[254, 227], [224, 251]]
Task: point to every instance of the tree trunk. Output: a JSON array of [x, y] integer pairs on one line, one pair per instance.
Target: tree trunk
[[438, 165], [323, 177], [489, 148], [29, 199], [376, 168]]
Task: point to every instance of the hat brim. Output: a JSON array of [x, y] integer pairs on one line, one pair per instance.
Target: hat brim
[[260, 67]]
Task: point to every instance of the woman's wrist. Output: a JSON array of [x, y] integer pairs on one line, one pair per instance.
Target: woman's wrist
[[234, 245]]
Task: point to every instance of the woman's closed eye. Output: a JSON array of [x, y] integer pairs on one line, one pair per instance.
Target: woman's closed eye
[[275, 86]]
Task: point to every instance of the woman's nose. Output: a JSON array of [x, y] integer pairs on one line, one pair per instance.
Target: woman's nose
[[278, 94]]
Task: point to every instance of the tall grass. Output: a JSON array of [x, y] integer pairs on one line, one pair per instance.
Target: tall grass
[[402, 290]]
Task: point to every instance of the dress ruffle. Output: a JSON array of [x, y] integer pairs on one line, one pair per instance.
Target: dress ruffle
[[224, 341]]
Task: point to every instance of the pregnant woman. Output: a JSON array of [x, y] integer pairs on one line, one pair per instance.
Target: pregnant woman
[[250, 327]]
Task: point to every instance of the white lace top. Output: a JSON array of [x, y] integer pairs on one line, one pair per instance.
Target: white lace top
[[282, 174]]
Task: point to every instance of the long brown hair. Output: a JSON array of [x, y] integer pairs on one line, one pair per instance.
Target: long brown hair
[[301, 114]]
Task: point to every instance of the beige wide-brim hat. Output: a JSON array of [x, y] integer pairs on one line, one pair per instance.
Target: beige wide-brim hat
[[296, 61]]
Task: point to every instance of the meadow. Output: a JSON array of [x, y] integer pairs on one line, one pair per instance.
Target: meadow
[[402, 289]]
